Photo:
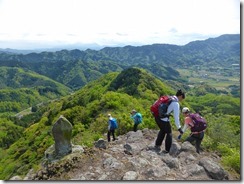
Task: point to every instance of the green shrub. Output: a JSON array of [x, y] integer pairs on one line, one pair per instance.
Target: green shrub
[[233, 160]]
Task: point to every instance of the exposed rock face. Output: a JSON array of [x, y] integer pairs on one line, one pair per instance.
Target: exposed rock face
[[212, 168], [129, 158], [62, 132], [16, 178]]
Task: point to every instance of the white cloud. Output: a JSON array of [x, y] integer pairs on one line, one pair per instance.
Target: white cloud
[[116, 21]]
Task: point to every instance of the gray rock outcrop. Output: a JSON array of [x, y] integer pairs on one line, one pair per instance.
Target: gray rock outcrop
[[129, 159]]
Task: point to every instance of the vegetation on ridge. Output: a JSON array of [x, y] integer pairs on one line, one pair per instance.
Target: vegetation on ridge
[[20, 89], [207, 70], [114, 93]]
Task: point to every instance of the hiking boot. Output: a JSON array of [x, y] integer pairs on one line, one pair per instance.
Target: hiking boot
[[165, 152], [157, 149]]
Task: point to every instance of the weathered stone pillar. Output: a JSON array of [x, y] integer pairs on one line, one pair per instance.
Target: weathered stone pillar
[[62, 132]]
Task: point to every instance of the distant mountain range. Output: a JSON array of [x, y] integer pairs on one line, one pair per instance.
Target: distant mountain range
[[74, 68], [93, 46]]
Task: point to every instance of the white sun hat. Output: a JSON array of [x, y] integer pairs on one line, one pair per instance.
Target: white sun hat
[[185, 109]]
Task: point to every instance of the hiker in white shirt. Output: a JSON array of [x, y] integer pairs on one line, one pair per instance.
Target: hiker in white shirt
[[164, 123]]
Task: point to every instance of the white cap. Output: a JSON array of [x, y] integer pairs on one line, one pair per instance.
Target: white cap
[[133, 111], [185, 109], [109, 115]]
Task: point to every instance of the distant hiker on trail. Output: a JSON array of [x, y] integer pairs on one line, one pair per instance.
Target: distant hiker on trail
[[112, 125], [163, 122], [197, 131], [137, 118]]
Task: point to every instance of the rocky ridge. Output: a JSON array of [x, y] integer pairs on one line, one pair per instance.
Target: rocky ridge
[[129, 158]]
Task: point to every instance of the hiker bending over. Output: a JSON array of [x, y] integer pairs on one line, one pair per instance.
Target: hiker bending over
[[112, 125], [196, 135], [137, 118], [164, 123]]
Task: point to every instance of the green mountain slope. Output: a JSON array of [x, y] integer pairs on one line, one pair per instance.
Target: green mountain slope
[[221, 51], [20, 89], [115, 93], [87, 110]]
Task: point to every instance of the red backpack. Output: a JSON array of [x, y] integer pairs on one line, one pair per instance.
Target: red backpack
[[199, 122], [160, 106]]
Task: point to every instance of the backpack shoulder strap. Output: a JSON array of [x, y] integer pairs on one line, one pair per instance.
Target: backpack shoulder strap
[[174, 99]]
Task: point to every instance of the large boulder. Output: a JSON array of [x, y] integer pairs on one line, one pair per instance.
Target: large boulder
[[213, 169]]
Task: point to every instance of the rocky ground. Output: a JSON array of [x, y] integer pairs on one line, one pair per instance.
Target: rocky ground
[[129, 158]]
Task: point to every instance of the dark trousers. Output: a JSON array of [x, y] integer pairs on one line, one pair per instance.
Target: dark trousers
[[165, 129], [111, 131], [197, 138], [135, 127]]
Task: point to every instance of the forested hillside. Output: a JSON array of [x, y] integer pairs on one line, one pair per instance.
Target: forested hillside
[[21, 88], [84, 86], [22, 148], [75, 68]]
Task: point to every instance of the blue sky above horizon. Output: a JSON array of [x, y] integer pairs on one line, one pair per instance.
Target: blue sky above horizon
[[33, 24]]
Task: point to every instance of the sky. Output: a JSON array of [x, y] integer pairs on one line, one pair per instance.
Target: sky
[[32, 24]]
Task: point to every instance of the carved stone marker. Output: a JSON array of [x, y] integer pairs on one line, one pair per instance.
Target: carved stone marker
[[62, 132]]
